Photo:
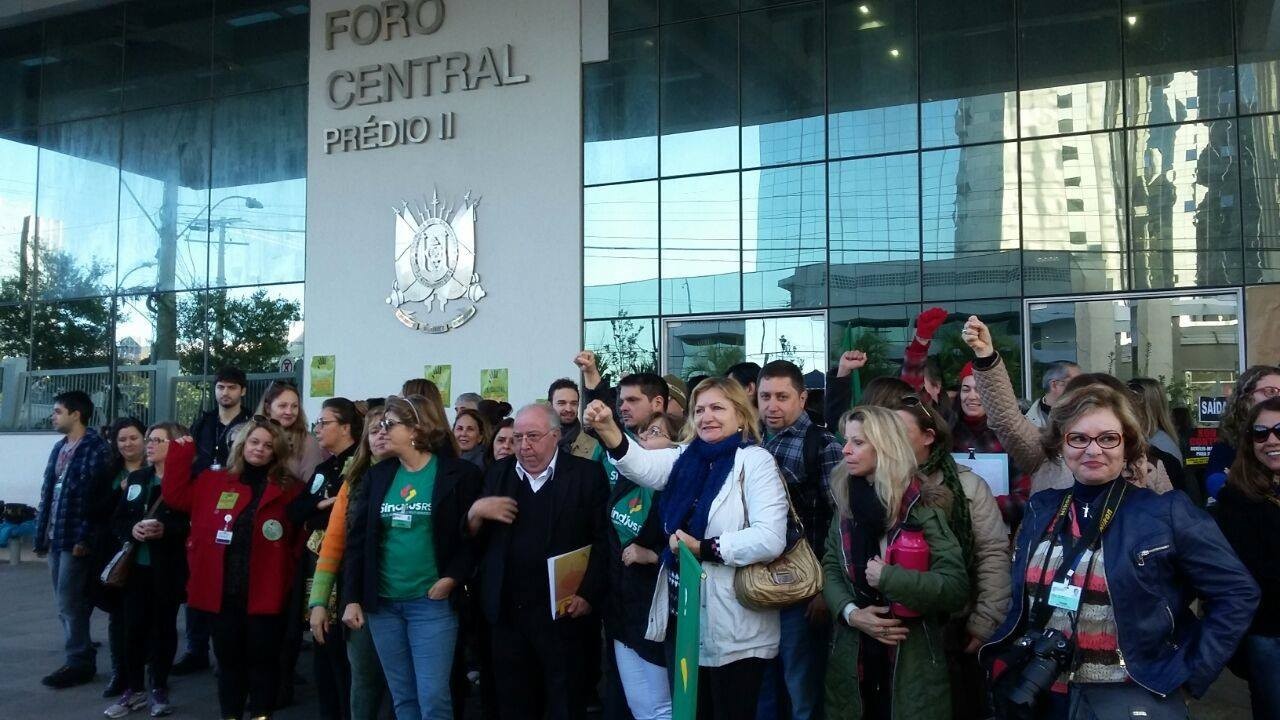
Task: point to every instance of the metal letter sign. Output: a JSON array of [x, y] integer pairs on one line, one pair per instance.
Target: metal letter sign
[[435, 263]]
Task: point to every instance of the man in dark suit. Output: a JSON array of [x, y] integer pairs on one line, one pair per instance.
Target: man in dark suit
[[537, 504]]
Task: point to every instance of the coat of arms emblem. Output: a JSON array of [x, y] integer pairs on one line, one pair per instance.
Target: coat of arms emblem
[[435, 264]]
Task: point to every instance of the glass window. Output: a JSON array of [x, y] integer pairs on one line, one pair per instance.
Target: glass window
[[710, 347], [970, 222], [1260, 197], [631, 14], [1073, 251], [15, 356], [620, 111], [620, 250], [967, 81], [624, 345], [1178, 60], [164, 199], [259, 195], [1069, 66], [1258, 50], [1184, 214], [17, 213], [782, 86], [1003, 317], [79, 179], [700, 96], [20, 61], [871, 84], [257, 329], [784, 238], [874, 217], [259, 44], [80, 70], [675, 10], [71, 350], [167, 52], [882, 332], [701, 255], [154, 349]]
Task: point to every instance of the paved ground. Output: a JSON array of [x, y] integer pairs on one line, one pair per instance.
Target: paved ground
[[31, 641]]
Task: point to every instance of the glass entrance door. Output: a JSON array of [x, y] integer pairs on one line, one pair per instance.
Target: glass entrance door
[[711, 345]]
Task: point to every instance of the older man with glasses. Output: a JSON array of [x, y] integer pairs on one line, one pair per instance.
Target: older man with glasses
[[538, 504]]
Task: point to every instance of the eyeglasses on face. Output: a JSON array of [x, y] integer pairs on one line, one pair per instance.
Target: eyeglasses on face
[[1106, 441], [387, 423], [532, 437], [1267, 391], [319, 424], [654, 432], [264, 420], [1260, 433], [157, 440]]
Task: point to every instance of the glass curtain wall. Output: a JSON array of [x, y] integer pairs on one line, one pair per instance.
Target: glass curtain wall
[[152, 204], [877, 157]]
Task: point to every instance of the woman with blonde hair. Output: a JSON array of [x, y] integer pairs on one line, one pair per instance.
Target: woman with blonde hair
[[887, 656], [723, 497]]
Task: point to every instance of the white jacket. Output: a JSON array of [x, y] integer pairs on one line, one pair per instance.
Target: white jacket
[[728, 630]]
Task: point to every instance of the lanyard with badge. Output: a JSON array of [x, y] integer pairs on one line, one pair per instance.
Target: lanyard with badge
[[1062, 594]]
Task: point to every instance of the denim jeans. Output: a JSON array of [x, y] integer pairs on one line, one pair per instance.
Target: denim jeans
[[71, 578], [645, 684], [415, 640], [799, 670], [367, 682], [1264, 672]]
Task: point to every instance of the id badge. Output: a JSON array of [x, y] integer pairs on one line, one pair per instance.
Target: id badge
[[227, 500], [401, 520], [1064, 596], [223, 536]]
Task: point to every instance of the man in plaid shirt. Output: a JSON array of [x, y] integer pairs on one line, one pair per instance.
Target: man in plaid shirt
[[806, 454], [76, 480]]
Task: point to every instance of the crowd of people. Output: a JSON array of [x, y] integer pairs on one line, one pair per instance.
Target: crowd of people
[[415, 550]]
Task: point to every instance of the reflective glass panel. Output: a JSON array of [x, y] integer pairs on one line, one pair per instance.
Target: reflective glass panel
[[164, 199], [782, 86], [874, 218], [154, 349], [701, 255], [1178, 60], [259, 44], [623, 345], [1002, 316], [882, 332], [970, 222], [17, 213], [15, 356], [631, 14], [20, 61], [71, 351], [78, 203], [166, 52], [1069, 66], [620, 111], [620, 250], [80, 67], [1260, 197], [700, 96], [784, 238], [1187, 343], [259, 195], [1258, 50], [259, 330], [674, 10], [710, 347], [1073, 225], [1184, 212], [871, 84], [967, 75]]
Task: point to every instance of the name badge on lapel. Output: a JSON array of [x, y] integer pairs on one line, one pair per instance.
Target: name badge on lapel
[[223, 536]]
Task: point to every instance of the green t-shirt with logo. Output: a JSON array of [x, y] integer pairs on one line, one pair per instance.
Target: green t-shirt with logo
[[630, 512], [407, 553]]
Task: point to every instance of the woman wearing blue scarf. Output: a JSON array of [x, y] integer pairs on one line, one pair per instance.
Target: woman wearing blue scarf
[[710, 487]]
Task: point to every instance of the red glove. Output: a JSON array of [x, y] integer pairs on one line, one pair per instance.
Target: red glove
[[928, 322]]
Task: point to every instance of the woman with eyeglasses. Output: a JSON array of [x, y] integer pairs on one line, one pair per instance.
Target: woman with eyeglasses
[[282, 403], [338, 432], [1103, 575], [1248, 511], [408, 558], [472, 433], [242, 552], [1255, 384], [984, 543], [154, 587]]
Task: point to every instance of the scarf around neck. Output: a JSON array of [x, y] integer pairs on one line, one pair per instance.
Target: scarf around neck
[[960, 520], [696, 479], [861, 532]]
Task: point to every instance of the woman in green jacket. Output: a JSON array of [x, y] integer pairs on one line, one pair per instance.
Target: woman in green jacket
[[884, 667]]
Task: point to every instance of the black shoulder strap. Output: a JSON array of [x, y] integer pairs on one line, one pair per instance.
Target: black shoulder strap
[[815, 438]]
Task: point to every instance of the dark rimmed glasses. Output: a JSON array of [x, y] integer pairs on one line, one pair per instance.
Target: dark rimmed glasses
[[1106, 441]]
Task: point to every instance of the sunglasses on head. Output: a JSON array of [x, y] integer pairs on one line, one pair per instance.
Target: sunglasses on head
[[1259, 433], [911, 401]]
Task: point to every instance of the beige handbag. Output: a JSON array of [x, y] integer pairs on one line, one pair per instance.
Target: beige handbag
[[795, 576]]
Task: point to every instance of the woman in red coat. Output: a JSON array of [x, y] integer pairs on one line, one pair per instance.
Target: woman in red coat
[[242, 552]]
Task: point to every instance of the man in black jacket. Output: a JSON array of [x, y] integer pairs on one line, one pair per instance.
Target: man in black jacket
[[538, 504]]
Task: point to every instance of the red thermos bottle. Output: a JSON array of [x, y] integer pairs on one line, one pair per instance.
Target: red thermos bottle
[[911, 551]]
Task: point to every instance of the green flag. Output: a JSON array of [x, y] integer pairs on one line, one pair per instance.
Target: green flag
[[685, 699]]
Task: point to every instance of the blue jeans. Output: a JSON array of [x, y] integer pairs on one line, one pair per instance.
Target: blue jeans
[[799, 670], [415, 640], [1264, 675], [71, 578]]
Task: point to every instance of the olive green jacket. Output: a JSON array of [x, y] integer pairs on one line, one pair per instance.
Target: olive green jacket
[[921, 690]]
